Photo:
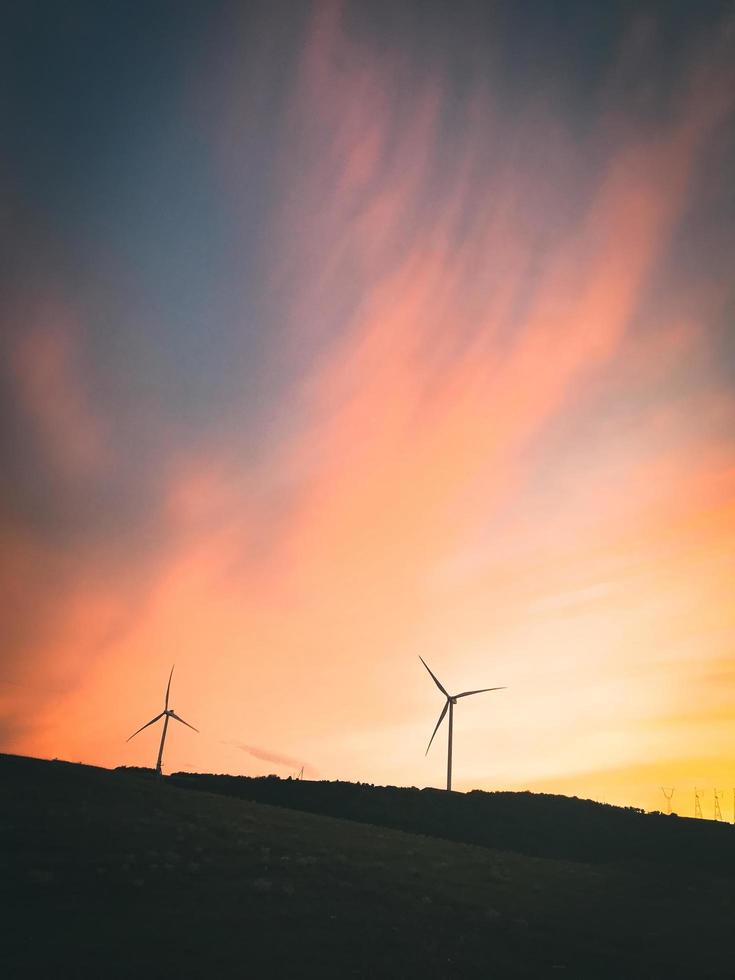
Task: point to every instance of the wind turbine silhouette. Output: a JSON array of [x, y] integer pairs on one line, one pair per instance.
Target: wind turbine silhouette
[[449, 706], [166, 713]]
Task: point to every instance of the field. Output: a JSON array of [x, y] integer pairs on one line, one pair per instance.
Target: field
[[114, 874]]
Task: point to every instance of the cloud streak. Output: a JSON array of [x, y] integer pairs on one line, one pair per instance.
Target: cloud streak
[[266, 755]]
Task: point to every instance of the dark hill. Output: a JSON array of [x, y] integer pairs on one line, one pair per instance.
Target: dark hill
[[536, 824], [113, 874]]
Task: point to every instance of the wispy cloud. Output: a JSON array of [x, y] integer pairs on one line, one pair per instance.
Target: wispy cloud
[[281, 760], [52, 389], [491, 426]]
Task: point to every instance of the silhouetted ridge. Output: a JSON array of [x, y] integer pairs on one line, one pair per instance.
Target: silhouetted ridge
[[126, 874], [538, 824]]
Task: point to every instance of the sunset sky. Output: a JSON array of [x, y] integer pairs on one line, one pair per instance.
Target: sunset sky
[[336, 335]]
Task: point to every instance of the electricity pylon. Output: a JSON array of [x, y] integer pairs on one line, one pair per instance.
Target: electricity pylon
[[718, 811], [668, 792], [697, 804]]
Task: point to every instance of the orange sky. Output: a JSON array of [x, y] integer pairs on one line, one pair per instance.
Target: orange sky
[[504, 446]]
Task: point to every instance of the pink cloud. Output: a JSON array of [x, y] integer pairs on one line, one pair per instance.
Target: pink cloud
[[439, 335], [53, 389], [266, 755]]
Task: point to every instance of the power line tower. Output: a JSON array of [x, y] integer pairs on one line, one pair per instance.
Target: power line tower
[[668, 792], [301, 773], [718, 811], [697, 804]]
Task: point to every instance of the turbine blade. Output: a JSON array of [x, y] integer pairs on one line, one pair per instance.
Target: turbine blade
[[481, 691], [174, 715], [168, 689], [441, 719], [151, 722], [436, 680]]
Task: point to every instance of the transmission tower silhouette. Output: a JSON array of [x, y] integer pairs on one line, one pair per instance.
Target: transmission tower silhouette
[[697, 804], [718, 811], [668, 792]]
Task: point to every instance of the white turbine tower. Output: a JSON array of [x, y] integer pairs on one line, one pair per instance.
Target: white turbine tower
[[166, 713], [449, 706]]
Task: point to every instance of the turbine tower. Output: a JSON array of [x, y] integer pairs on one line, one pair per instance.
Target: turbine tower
[[166, 713], [449, 706]]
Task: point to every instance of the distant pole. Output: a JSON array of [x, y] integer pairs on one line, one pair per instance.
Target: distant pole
[[449, 746], [668, 793], [718, 811], [697, 804], [301, 773], [160, 751]]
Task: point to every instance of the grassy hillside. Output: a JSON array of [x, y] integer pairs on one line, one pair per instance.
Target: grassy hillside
[[109, 874], [537, 824]]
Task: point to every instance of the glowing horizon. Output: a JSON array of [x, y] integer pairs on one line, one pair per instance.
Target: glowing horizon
[[358, 343]]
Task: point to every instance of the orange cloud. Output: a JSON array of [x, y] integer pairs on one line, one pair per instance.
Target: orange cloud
[[435, 486], [52, 389]]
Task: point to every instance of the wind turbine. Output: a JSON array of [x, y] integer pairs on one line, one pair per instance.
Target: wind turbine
[[449, 706], [166, 713]]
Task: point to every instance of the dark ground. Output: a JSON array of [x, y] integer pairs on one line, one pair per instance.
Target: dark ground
[[112, 874]]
